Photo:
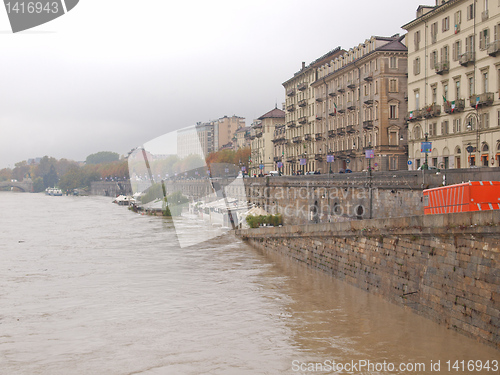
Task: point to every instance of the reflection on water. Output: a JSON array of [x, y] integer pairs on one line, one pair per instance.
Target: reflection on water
[[88, 287]]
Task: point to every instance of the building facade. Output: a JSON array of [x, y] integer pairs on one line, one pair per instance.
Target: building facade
[[454, 83], [226, 128], [262, 136], [356, 102]]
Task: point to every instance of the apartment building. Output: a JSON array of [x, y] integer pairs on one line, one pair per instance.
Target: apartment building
[[453, 84], [226, 128], [241, 138], [358, 104], [300, 116], [262, 135]]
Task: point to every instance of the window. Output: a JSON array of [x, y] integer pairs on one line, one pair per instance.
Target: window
[[457, 50], [446, 24], [417, 132], [469, 44], [457, 125], [393, 62], [417, 99], [416, 66], [416, 40], [393, 85], [445, 53], [484, 39], [498, 117], [485, 121], [458, 21], [445, 127], [470, 11], [393, 138], [393, 111], [485, 82], [432, 129], [445, 90], [471, 85], [457, 89], [433, 59], [434, 31], [434, 94]]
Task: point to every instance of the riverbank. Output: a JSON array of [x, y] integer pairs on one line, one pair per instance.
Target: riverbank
[[443, 267]]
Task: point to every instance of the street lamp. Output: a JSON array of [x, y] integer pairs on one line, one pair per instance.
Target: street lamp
[[330, 152], [426, 164]]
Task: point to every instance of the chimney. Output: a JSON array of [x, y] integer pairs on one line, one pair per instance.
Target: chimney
[[303, 64]]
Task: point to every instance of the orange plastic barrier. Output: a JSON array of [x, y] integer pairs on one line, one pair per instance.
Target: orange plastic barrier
[[469, 196]]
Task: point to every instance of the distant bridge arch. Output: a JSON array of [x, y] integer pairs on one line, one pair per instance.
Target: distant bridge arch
[[25, 186]]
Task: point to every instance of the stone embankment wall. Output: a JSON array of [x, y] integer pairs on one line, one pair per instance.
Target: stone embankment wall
[[110, 188], [444, 267]]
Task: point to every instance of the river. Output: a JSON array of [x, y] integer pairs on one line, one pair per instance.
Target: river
[[88, 287]]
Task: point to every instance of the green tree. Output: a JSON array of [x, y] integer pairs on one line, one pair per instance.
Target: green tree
[[50, 179], [102, 157], [38, 185], [21, 170]]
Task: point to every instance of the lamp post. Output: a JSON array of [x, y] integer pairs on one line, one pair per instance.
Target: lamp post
[[330, 171], [426, 163]]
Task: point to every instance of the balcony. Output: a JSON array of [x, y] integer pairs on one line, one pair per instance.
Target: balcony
[[307, 137], [297, 139], [368, 77], [351, 105], [319, 99], [485, 15], [481, 100], [456, 106], [442, 67], [369, 101], [291, 124], [318, 136], [290, 92], [332, 93], [340, 131], [302, 86], [319, 117], [340, 154], [350, 129], [340, 89], [302, 103], [341, 110], [333, 112], [350, 84], [466, 58], [302, 120], [290, 159], [277, 159], [258, 134], [432, 111], [368, 124], [415, 115], [290, 108], [318, 157], [493, 48], [331, 133]]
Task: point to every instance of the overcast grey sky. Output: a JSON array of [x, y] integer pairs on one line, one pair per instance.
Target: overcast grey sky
[[111, 75]]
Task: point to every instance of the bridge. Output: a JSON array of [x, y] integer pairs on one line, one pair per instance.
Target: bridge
[[26, 185]]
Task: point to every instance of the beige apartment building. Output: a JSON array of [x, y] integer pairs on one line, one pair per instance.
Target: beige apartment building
[[300, 109], [262, 135], [358, 103], [227, 127], [454, 83]]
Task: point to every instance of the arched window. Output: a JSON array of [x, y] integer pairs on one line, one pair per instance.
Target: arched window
[[486, 148]]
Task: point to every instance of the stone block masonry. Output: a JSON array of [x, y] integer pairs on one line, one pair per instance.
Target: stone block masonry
[[444, 267]]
